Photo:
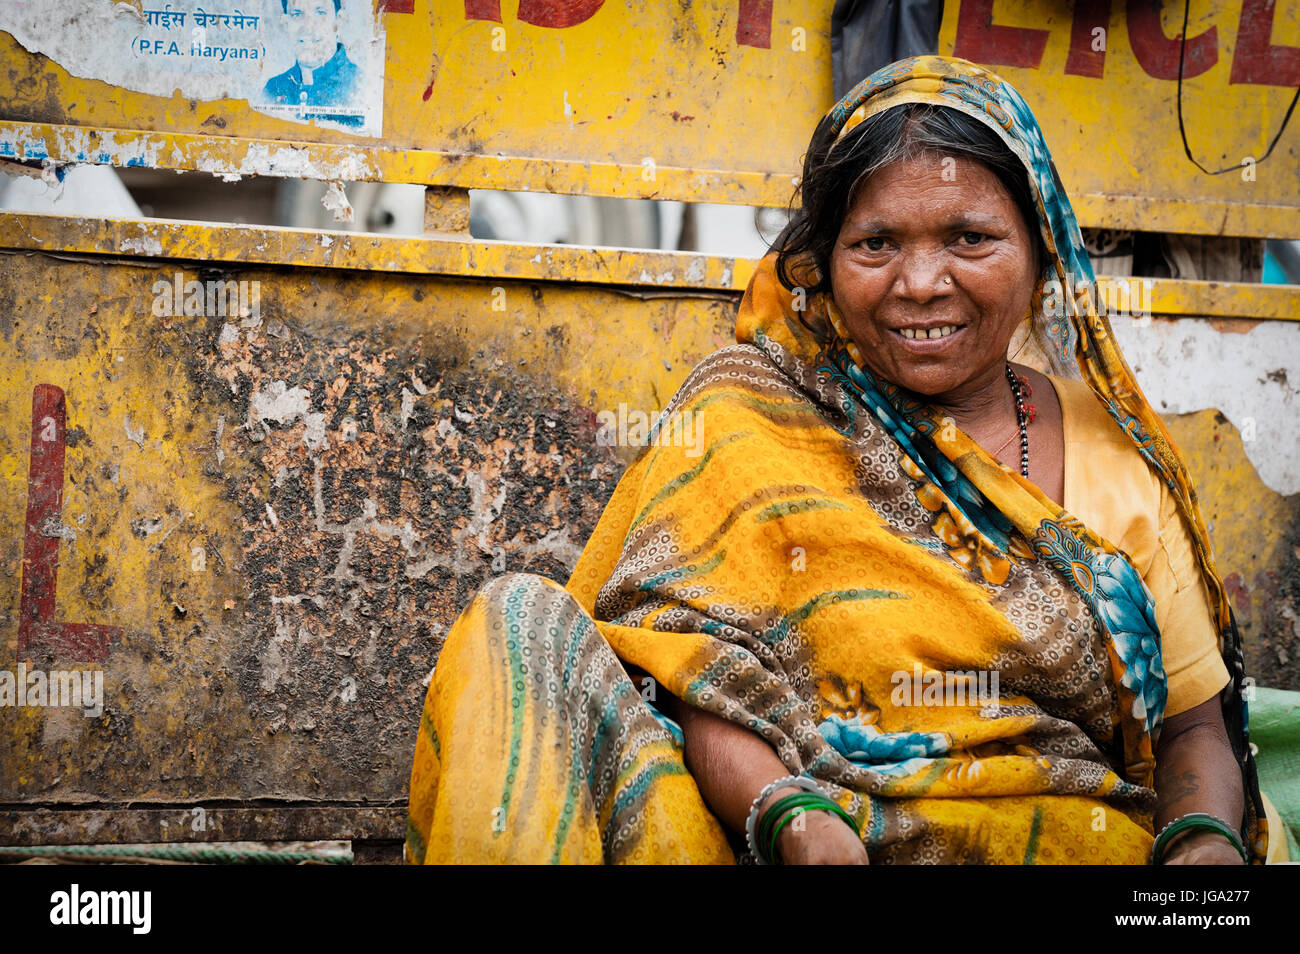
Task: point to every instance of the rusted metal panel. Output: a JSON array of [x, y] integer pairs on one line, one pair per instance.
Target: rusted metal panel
[[281, 508], [552, 97]]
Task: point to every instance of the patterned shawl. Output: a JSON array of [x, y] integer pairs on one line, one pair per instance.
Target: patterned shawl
[[807, 551]]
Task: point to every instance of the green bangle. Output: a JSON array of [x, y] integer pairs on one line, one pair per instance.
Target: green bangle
[[780, 814], [1194, 820], [764, 837]]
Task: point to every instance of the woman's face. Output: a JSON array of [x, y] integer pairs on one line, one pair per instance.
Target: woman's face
[[909, 227]]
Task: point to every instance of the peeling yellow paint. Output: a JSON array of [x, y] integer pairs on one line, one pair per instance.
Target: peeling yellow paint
[[353, 250]]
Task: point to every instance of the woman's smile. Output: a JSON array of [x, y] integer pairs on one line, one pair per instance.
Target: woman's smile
[[929, 340]]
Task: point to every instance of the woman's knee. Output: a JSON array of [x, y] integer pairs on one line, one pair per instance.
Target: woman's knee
[[523, 600], [531, 621]]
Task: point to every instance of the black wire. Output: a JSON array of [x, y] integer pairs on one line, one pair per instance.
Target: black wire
[[1182, 53]]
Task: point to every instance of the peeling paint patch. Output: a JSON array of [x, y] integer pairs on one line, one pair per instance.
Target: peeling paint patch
[[145, 245], [285, 405], [261, 159], [52, 527], [408, 406], [336, 201], [74, 144], [229, 160], [1189, 365], [134, 432]]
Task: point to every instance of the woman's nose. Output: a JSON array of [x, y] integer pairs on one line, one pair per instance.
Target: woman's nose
[[921, 276]]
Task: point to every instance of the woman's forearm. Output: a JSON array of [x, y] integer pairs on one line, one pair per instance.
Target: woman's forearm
[[1195, 768], [730, 764]]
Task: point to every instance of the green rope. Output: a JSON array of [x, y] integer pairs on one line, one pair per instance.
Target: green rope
[[202, 854]]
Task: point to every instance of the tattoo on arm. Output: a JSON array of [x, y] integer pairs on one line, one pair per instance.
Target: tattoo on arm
[[1182, 785]]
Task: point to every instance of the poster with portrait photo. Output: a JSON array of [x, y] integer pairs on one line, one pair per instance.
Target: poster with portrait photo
[[324, 65]]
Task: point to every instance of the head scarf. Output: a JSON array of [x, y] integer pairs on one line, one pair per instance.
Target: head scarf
[[1067, 323]]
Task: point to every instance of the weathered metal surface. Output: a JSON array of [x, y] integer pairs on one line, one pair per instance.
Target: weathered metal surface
[[478, 95], [1241, 368], [1256, 536], [1211, 299], [446, 210], [201, 823], [292, 157], [266, 245], [536, 95], [284, 510]]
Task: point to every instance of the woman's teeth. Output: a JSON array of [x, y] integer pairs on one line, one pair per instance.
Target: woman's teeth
[[942, 332]]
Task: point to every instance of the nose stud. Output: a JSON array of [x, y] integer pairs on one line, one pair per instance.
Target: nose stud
[[947, 280]]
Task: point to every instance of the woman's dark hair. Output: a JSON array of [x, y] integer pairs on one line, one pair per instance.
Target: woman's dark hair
[[830, 176]]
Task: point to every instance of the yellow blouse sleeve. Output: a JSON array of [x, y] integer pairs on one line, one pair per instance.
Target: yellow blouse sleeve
[[1189, 638], [1113, 491]]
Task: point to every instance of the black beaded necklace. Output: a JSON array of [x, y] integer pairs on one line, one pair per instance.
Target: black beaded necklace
[[1022, 418]]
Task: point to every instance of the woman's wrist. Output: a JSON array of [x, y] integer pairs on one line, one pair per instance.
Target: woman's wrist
[[1202, 848], [1196, 830], [766, 799], [775, 797], [781, 812]]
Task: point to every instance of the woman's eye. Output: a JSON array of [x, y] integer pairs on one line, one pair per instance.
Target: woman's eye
[[972, 238], [874, 244]]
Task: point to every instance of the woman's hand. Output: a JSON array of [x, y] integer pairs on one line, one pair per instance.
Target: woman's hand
[[1202, 848], [824, 840]]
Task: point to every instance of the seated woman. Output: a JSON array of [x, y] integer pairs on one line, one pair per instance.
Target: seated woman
[[910, 602]]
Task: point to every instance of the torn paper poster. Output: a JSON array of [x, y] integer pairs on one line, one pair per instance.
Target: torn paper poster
[[306, 61]]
